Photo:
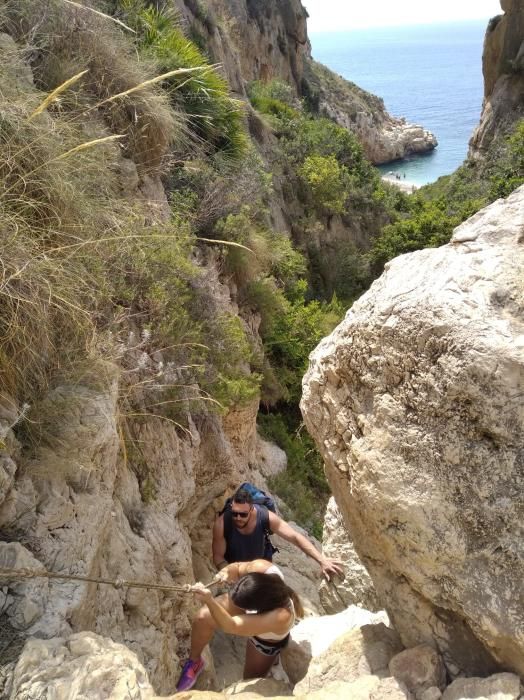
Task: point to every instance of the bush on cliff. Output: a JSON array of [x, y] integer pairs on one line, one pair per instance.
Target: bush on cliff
[[327, 183], [85, 267], [215, 120], [302, 485], [508, 173]]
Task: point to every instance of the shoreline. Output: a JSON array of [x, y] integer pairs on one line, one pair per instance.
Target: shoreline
[[405, 185]]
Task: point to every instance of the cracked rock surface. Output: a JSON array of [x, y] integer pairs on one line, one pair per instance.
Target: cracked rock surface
[[415, 402]]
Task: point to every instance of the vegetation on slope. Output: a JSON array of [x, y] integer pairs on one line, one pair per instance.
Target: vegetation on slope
[[91, 271]]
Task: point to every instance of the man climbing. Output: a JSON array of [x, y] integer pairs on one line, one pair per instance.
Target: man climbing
[[241, 533]]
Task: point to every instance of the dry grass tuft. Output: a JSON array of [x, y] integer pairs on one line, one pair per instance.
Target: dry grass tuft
[[66, 39], [79, 265], [55, 93]]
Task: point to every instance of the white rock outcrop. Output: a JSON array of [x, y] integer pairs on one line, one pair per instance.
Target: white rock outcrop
[[364, 651], [415, 402], [311, 637], [500, 686], [83, 666], [356, 586], [87, 665]]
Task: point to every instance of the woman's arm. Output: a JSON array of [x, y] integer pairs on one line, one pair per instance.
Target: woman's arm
[[276, 621]]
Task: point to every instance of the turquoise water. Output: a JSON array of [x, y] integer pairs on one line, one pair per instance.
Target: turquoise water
[[432, 75]]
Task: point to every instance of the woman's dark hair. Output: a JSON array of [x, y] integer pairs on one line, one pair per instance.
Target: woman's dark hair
[[264, 592]]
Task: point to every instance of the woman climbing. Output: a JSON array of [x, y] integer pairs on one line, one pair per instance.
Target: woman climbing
[[259, 605]]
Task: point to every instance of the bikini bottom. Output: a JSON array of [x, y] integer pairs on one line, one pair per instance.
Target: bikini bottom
[[269, 647]]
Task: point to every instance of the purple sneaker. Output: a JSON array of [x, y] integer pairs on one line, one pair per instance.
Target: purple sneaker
[[190, 672]]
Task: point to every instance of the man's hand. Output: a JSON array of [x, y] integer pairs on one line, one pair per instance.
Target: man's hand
[[201, 592], [331, 567], [229, 574]]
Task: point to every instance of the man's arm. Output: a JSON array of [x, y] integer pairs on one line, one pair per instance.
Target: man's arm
[[219, 543], [329, 567], [232, 572]]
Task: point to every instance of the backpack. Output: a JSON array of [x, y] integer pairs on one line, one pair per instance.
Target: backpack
[[260, 498]]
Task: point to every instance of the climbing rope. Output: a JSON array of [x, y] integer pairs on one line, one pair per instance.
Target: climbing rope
[[13, 574]]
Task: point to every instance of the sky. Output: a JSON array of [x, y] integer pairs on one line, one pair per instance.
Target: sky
[[337, 15]]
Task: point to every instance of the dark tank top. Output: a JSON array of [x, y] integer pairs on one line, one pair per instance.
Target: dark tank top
[[247, 547]]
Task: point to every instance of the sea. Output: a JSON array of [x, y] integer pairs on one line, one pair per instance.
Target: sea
[[430, 74]]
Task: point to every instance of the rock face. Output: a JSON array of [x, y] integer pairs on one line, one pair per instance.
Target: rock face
[[503, 69], [419, 669], [314, 635], [356, 588], [84, 665], [252, 39], [415, 402], [385, 138], [88, 665], [84, 506], [503, 686], [267, 39], [365, 651]]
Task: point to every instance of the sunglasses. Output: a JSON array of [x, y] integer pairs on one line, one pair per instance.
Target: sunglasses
[[240, 514]]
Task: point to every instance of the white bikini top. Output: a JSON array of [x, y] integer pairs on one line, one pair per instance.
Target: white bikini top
[[273, 569]]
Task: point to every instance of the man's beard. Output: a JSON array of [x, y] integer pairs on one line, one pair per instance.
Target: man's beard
[[242, 525]]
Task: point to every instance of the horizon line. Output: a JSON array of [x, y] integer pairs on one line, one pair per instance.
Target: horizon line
[[400, 26]]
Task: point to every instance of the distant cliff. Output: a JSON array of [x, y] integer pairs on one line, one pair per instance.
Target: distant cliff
[[383, 137], [503, 69], [252, 39], [267, 39]]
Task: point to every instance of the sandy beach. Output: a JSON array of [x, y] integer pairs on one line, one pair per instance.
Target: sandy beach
[[402, 184]]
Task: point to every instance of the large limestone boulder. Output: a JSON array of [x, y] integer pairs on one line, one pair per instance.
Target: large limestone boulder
[[84, 665], [415, 402], [500, 686], [356, 586], [419, 669], [365, 651], [314, 635]]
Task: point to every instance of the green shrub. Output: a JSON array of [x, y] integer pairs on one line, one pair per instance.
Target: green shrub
[[429, 224], [322, 137], [353, 274], [275, 99], [302, 485], [209, 189], [509, 173], [290, 331], [272, 90], [327, 183], [270, 254], [231, 382]]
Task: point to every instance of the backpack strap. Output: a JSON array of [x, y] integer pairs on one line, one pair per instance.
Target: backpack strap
[[265, 519], [270, 548], [228, 523]]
